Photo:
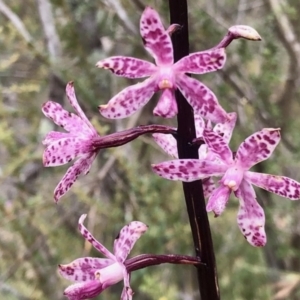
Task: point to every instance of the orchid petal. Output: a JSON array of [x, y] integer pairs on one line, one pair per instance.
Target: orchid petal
[[127, 292], [156, 39], [203, 151], [129, 100], [218, 200], [225, 129], [199, 125], [70, 91], [218, 146], [251, 216], [83, 269], [111, 274], [167, 105], [202, 62], [84, 290], [81, 166], [89, 237], [201, 98], [53, 136], [124, 295], [209, 125], [258, 147], [129, 67], [167, 142], [126, 239], [280, 185], [209, 186], [64, 150], [69, 121], [103, 278], [189, 169]]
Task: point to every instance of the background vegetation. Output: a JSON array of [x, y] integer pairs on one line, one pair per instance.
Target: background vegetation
[[43, 45]]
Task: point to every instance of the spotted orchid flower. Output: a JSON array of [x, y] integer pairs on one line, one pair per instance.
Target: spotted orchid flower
[[93, 275], [236, 177], [169, 144], [81, 140], [164, 76], [77, 142]]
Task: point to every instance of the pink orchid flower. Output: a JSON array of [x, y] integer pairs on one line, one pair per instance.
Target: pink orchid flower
[[236, 177], [165, 76], [169, 144], [93, 275], [63, 147], [81, 140]]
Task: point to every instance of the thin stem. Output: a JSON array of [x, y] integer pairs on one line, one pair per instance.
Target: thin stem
[[123, 137], [195, 202], [146, 260]]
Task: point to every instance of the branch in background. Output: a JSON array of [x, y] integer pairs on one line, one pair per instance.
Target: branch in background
[[240, 12], [288, 38], [52, 38], [291, 43], [121, 12], [56, 83], [214, 14], [285, 29], [20, 27], [16, 21], [139, 5]]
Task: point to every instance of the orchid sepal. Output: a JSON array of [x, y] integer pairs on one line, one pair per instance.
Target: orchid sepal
[[202, 62], [279, 185], [128, 67], [258, 147]]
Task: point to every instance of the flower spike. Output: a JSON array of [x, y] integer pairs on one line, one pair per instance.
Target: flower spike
[[236, 177], [164, 76], [93, 275]]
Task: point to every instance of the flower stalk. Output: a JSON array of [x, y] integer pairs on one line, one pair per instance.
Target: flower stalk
[[123, 137], [147, 260], [194, 197]]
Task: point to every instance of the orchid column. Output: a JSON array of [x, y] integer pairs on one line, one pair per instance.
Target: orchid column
[[195, 202]]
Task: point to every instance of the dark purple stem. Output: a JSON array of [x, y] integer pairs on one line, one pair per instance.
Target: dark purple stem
[[195, 202], [123, 137], [146, 260]]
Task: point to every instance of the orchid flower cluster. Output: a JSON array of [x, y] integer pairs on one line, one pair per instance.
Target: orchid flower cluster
[[216, 159]]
